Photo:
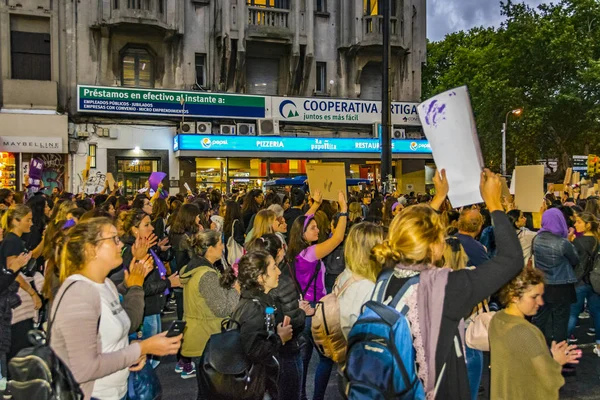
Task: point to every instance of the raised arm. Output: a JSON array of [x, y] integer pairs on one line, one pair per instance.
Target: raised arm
[[324, 249], [466, 287], [317, 199]]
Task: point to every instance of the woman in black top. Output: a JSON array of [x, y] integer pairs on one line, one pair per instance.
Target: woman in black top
[[587, 248], [233, 223], [253, 202], [415, 244], [258, 275], [159, 217], [41, 210]]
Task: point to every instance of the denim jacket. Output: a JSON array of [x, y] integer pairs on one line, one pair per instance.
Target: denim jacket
[[556, 257]]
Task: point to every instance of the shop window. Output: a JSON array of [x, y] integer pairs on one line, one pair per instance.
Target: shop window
[[137, 68], [92, 153], [321, 6], [200, 70], [321, 78], [262, 76], [30, 48], [115, 4], [8, 171]]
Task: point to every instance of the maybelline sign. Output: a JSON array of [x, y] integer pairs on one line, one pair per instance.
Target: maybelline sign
[[340, 111], [31, 144]]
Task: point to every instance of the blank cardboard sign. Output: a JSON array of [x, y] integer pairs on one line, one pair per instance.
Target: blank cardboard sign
[[529, 187], [329, 178]]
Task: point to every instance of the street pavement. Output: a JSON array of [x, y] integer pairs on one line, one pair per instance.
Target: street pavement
[[584, 386]]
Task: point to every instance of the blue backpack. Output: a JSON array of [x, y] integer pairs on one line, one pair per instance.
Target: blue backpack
[[380, 362]]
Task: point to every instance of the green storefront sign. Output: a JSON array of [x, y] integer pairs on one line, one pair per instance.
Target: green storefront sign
[[116, 100]]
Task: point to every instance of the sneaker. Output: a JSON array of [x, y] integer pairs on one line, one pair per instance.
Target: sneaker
[[179, 367], [572, 339], [591, 332], [597, 351], [189, 371], [167, 310], [584, 315]]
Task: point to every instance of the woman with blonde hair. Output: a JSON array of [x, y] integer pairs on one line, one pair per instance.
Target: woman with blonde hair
[[263, 224], [357, 282], [355, 213], [88, 326], [438, 298]]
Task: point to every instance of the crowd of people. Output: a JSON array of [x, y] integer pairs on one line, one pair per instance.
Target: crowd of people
[[99, 271]]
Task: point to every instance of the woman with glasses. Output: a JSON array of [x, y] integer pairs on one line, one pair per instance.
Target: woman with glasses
[[305, 255], [89, 327]]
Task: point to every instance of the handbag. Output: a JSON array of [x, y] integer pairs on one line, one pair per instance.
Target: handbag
[[225, 369], [477, 336], [144, 384]]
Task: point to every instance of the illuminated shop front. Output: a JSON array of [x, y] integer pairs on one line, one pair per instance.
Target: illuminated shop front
[[229, 162]]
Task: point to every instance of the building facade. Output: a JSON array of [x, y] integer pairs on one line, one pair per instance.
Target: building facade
[[301, 59]]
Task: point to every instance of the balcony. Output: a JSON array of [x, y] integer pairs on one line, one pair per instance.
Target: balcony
[[372, 30], [273, 23], [29, 94], [163, 14]]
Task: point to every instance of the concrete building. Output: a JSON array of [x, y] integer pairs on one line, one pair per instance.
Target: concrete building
[[316, 49]]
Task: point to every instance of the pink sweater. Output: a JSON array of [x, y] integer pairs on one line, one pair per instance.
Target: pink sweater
[[76, 341]]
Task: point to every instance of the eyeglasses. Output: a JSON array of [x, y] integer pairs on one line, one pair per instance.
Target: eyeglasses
[[115, 239]]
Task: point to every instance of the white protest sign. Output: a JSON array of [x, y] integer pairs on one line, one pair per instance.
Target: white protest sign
[[513, 183], [449, 125]]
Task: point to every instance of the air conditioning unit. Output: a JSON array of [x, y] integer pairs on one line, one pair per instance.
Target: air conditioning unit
[[399, 133], [268, 127], [203, 128], [73, 146], [187, 127], [246, 129], [83, 134], [227, 129]]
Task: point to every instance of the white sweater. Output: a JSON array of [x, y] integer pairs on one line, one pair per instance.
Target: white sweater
[[352, 299]]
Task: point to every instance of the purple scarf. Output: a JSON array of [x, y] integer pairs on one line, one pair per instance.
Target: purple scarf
[[162, 270], [554, 222]]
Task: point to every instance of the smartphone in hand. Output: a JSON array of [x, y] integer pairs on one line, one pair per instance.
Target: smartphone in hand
[[176, 328], [286, 320]]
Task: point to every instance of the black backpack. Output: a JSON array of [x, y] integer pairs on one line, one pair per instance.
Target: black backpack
[[37, 372], [226, 371]]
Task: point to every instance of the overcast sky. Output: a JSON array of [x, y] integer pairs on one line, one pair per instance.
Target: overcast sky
[[446, 16]]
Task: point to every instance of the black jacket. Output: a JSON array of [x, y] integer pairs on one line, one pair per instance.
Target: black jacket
[[287, 295], [465, 289], [260, 346], [154, 285], [178, 242]]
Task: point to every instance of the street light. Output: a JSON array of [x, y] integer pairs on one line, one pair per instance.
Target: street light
[[517, 112]]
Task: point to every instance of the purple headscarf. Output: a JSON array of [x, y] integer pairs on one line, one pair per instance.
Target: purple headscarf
[[553, 221]]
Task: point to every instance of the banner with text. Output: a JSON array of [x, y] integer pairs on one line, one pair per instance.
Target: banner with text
[[117, 100], [340, 111], [294, 144]]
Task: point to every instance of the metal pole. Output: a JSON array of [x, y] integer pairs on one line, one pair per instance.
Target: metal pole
[[386, 142], [504, 149]]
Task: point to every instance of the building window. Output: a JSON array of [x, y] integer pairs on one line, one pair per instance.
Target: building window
[[371, 7], [321, 6], [161, 6], [139, 4], [92, 153], [137, 68], [201, 70], [321, 77], [30, 48], [284, 4], [115, 4]]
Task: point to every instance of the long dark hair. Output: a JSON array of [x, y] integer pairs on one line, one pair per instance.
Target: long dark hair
[[38, 206], [513, 217], [387, 210], [159, 209], [297, 242], [232, 212], [250, 204], [185, 221]]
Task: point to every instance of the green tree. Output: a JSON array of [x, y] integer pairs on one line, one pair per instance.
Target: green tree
[[545, 60]]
